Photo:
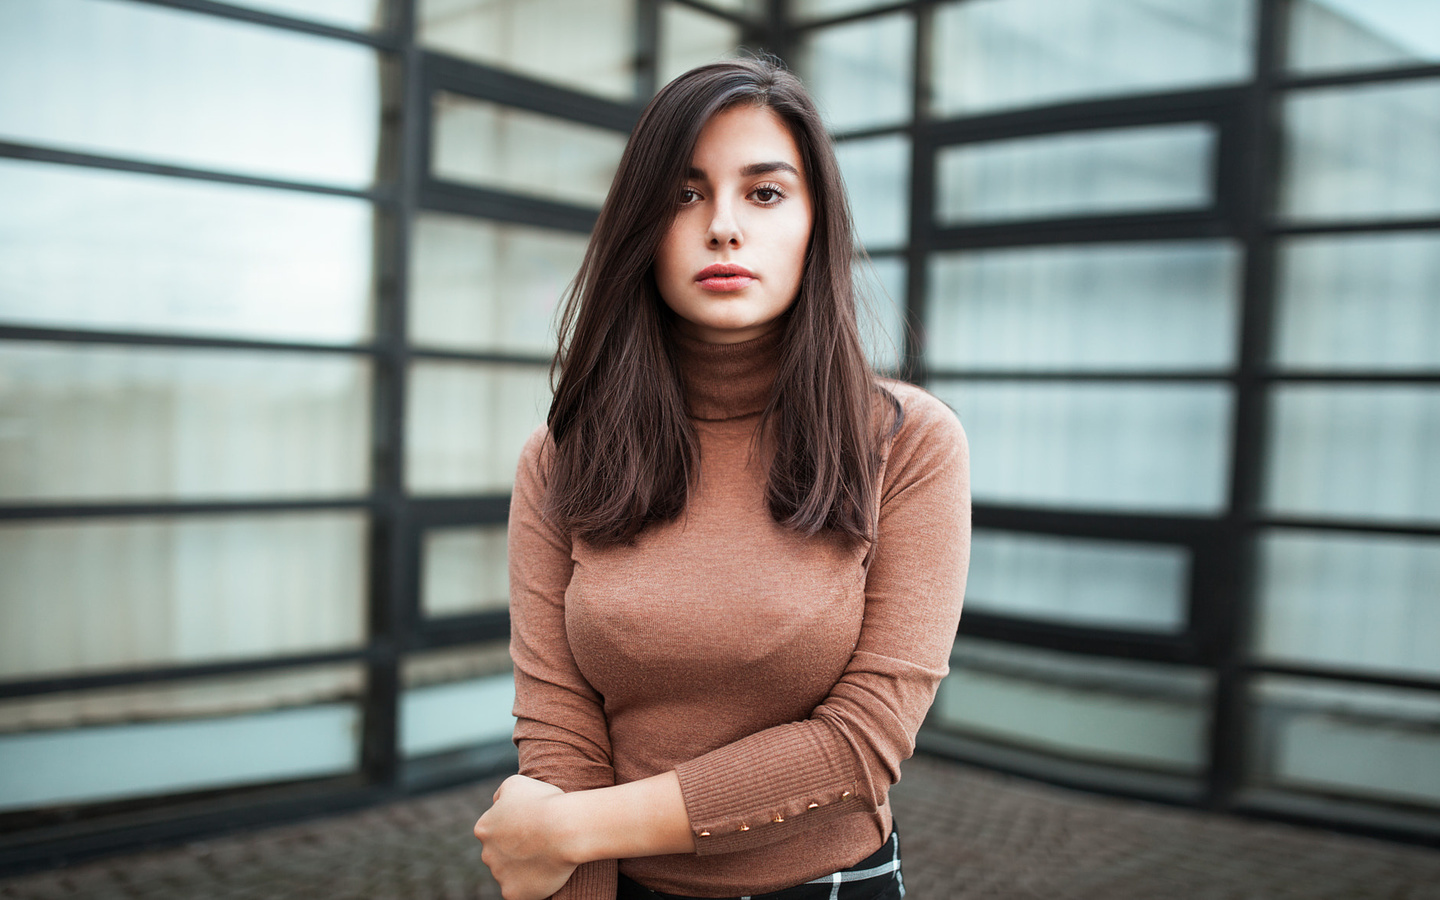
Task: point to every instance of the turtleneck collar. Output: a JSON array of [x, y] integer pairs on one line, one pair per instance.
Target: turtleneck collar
[[728, 381]]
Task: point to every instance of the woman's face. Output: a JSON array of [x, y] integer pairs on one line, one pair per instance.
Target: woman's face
[[731, 262]]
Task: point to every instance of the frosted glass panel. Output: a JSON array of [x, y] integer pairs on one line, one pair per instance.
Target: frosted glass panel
[[1077, 581], [1369, 743], [814, 9], [87, 248], [90, 765], [456, 698], [489, 145], [137, 80], [441, 718], [750, 7], [584, 45], [464, 571], [359, 15], [185, 699], [877, 177], [1156, 168], [1153, 447], [1364, 451], [1332, 35], [1094, 306], [116, 593], [1362, 152], [860, 72], [990, 54], [466, 423], [110, 423], [1134, 714], [1352, 601], [689, 38], [1367, 301], [478, 285], [880, 308]]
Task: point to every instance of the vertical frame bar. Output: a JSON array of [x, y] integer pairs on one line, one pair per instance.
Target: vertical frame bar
[[1230, 608], [392, 600], [647, 49]]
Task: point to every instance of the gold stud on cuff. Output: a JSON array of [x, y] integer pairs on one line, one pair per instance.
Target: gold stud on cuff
[[704, 834], [744, 827], [844, 794], [778, 819], [812, 806]]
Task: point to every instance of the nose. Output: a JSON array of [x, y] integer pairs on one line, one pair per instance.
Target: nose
[[724, 229]]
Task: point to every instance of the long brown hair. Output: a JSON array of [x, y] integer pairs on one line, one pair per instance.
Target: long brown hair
[[625, 449]]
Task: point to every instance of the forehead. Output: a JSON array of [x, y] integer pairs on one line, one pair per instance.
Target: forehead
[[742, 135]]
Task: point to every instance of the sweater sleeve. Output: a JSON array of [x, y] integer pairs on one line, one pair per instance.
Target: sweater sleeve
[[560, 727], [844, 758]]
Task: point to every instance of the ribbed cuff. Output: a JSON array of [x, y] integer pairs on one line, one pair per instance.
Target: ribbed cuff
[[591, 881], [761, 788]]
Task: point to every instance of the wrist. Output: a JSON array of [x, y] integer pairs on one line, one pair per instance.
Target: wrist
[[570, 833]]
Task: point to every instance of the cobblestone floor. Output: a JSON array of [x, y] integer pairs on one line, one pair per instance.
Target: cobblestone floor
[[966, 833]]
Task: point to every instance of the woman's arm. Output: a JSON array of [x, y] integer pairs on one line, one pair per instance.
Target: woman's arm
[[535, 835], [560, 727], [846, 755], [843, 758]]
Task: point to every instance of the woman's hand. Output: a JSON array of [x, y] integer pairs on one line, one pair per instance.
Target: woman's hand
[[522, 839]]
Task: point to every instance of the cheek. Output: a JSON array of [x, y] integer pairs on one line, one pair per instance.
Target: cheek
[[797, 247], [665, 254], [667, 261]]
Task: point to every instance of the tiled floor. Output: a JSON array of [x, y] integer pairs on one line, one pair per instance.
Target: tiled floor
[[966, 833]]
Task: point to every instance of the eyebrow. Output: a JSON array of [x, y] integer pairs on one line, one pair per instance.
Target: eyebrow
[[750, 171]]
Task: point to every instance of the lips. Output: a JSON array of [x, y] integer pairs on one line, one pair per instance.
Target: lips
[[723, 277]]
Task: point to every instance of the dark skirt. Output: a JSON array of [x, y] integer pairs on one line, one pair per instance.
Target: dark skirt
[[876, 877]]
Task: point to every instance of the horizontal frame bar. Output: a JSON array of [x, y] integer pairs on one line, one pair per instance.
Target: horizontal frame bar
[[1208, 223], [40, 334], [383, 39], [729, 15], [1084, 640], [452, 197], [129, 509], [1347, 675], [1150, 376], [1219, 106], [455, 75], [1129, 527], [1352, 526], [804, 25], [1372, 226], [1300, 82], [383, 196], [55, 684]]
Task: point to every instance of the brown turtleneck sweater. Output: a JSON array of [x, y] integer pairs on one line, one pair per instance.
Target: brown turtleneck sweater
[[781, 681]]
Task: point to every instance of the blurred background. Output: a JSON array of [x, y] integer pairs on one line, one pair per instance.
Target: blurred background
[[276, 288]]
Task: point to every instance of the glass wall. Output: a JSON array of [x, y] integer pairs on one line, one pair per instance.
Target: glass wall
[[1173, 263], [191, 264], [277, 295], [277, 287], [1350, 507]]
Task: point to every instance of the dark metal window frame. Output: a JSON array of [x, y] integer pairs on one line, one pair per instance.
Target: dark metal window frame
[[1220, 547], [398, 519]]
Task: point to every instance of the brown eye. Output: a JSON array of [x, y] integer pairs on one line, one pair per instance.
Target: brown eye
[[768, 194], [688, 195]]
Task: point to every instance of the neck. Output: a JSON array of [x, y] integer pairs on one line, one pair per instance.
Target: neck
[[728, 381]]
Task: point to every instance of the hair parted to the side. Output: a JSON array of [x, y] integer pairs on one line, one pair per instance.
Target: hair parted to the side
[[625, 450]]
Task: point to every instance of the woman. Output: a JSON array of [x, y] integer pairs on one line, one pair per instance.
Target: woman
[[736, 558]]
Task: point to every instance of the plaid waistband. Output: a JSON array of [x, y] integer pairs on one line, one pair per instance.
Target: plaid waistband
[[862, 881]]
